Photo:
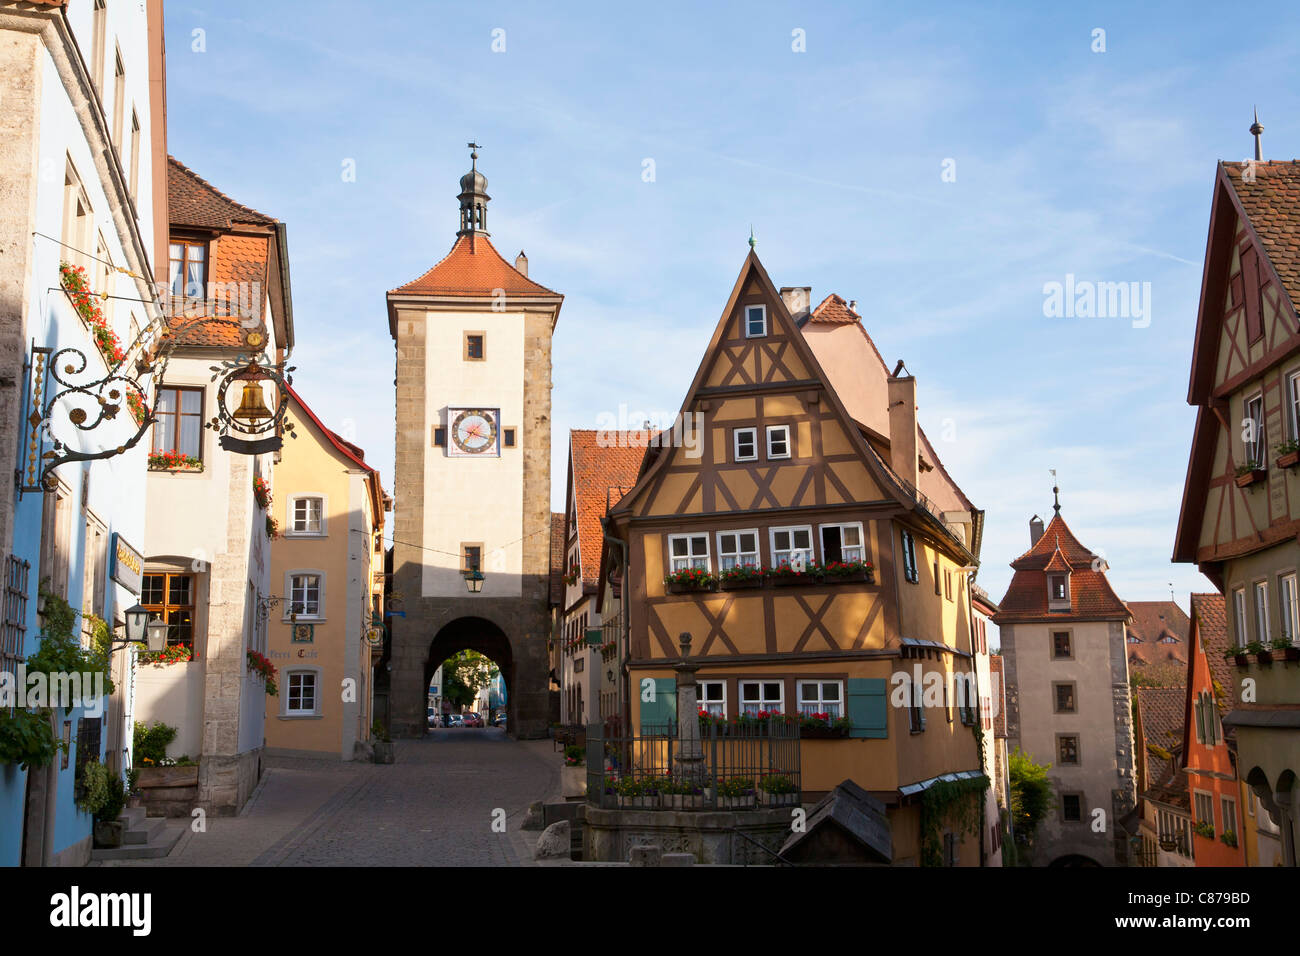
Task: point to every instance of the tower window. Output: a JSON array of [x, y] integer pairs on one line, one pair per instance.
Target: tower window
[[509, 437], [475, 343]]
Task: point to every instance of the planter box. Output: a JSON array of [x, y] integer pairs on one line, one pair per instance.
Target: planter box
[[1289, 460], [821, 733], [793, 580], [1292, 654], [1241, 660], [152, 777], [746, 802], [685, 801], [639, 803], [108, 834], [178, 469], [778, 799], [742, 584], [861, 577], [385, 752], [1265, 658], [690, 588], [1250, 477]]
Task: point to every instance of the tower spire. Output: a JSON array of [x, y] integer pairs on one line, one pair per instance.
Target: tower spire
[[1255, 130], [473, 198], [1056, 494]]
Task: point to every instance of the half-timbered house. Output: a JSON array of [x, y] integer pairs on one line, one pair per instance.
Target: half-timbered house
[[1240, 519], [789, 540]]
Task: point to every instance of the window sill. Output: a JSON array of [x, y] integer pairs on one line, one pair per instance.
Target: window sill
[[305, 534], [301, 619], [301, 716], [179, 470]]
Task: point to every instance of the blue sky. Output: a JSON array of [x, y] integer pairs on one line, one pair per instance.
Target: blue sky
[[1067, 161]]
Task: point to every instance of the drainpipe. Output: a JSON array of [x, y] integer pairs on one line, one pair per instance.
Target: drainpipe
[[625, 608]]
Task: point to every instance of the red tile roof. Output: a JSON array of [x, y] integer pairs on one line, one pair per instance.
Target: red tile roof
[[1152, 621], [605, 466], [834, 311], [193, 201], [1161, 714], [1210, 611], [1091, 596], [473, 267], [1272, 203], [1058, 563]]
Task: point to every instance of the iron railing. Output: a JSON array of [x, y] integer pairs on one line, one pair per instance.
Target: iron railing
[[740, 767]]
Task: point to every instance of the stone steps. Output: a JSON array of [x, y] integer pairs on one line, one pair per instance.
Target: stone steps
[[143, 837]]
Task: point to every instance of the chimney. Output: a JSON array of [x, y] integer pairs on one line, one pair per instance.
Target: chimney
[[1035, 530], [521, 264], [798, 300], [903, 445]]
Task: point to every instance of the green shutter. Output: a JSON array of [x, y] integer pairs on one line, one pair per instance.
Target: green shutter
[[868, 707], [1200, 719], [657, 713]]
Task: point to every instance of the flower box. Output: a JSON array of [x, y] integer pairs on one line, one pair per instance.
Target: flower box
[[1265, 658], [744, 802], [778, 799], [857, 577], [822, 733], [151, 777], [690, 587], [741, 584], [1292, 654], [1289, 460], [1241, 660], [793, 580], [1248, 478], [685, 801]]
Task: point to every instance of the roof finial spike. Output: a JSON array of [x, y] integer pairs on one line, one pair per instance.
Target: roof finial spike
[[1255, 130], [1056, 493], [473, 156], [751, 235]]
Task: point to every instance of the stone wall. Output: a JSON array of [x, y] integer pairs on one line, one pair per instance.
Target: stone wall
[[609, 835]]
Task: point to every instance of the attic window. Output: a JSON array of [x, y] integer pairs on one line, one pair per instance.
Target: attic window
[[1059, 588], [755, 321]]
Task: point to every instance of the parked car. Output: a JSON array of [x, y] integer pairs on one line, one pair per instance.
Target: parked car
[[456, 721], [500, 721], [433, 718], [473, 720]]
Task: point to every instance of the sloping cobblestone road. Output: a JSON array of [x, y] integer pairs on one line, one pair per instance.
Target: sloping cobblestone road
[[433, 807]]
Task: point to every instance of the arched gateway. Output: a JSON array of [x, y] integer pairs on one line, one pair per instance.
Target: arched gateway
[[473, 471]]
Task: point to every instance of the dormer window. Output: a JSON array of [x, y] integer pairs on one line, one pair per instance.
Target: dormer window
[[1059, 591]]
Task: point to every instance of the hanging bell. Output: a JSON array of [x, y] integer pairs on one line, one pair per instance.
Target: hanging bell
[[252, 406]]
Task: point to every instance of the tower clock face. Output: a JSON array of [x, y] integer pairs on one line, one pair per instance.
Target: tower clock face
[[474, 431]]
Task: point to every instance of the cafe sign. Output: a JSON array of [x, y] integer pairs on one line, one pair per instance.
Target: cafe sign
[[128, 565]]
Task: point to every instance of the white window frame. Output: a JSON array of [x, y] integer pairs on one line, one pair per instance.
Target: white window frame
[[1256, 450], [772, 430], [1242, 637], [791, 529], [691, 556], [736, 434], [708, 705], [764, 702], [288, 602], [286, 692], [1261, 612], [1228, 813], [1293, 402], [291, 515], [820, 704], [1288, 612], [860, 546], [738, 554], [762, 311]]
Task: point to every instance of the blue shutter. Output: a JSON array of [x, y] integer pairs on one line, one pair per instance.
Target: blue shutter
[[868, 707], [658, 713]]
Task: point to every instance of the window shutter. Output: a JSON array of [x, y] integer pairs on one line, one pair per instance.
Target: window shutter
[[656, 714], [1198, 706], [868, 710]]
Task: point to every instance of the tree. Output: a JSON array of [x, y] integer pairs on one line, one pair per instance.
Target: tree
[[463, 675], [1031, 796]]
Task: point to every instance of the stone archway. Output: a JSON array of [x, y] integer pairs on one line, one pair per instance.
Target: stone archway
[[474, 634], [1074, 859]]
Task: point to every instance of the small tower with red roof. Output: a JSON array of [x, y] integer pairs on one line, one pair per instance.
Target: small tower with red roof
[[1062, 629]]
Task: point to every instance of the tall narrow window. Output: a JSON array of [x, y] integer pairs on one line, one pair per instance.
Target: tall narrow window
[[909, 558], [474, 346], [135, 156], [306, 517], [119, 101], [1261, 612], [1293, 403], [99, 28], [301, 693], [179, 427], [78, 221], [746, 443], [1287, 612], [1255, 447], [1240, 638]]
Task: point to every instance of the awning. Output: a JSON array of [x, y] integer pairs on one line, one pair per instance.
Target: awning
[[914, 788]]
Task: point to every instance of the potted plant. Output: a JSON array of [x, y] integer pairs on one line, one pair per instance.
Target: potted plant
[[849, 572], [1229, 838], [1204, 829], [1250, 473], [384, 750], [1238, 655], [263, 668], [1288, 453], [1261, 652], [681, 794], [261, 491], [686, 580], [741, 576], [736, 793], [573, 755], [777, 790], [1290, 651]]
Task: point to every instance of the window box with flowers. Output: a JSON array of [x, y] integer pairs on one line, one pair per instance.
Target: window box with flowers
[[171, 654], [1288, 453], [174, 461], [272, 528], [1261, 651], [849, 572], [823, 726], [736, 793], [680, 794], [777, 790], [1250, 473], [1289, 651], [263, 668], [75, 284], [261, 492], [787, 575], [1204, 829], [740, 577], [1229, 838], [688, 580], [1238, 655], [637, 794]]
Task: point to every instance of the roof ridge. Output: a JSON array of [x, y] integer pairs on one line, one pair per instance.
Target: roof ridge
[[213, 189], [536, 287]]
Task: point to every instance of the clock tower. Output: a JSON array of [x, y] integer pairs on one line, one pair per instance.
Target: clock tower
[[472, 483]]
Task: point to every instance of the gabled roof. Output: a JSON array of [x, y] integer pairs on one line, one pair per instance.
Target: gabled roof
[[856, 815], [1154, 624], [1161, 714], [1272, 204], [193, 201], [834, 311], [1211, 616], [1091, 596], [1058, 563], [604, 467], [473, 267]]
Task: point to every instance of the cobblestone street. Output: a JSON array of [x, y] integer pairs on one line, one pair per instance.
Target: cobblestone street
[[433, 807]]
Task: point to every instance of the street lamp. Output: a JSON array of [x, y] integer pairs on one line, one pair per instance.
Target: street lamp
[[139, 629], [474, 580]]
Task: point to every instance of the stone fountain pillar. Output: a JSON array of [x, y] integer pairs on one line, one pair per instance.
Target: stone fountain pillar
[[690, 749]]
